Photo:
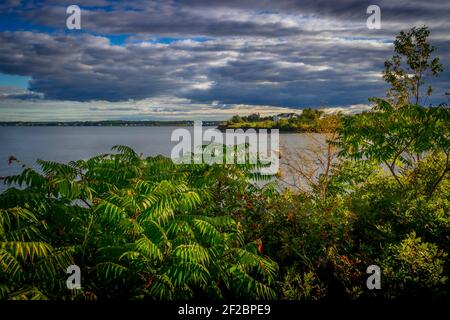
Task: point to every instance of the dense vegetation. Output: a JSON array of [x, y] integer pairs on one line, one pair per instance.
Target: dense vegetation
[[310, 120], [147, 228]]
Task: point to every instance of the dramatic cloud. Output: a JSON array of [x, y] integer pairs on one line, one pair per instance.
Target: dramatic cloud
[[294, 72], [210, 53]]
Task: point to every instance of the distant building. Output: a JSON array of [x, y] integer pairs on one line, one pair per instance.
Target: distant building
[[280, 116]]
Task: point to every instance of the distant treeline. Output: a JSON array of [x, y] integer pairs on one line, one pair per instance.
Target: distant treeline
[[107, 123]]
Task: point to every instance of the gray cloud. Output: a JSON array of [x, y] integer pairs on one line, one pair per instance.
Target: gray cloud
[[276, 53], [248, 71], [236, 17], [17, 93]]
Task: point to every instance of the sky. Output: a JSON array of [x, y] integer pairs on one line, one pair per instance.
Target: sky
[[209, 60]]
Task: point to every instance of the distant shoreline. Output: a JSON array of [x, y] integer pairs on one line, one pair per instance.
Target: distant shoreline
[[127, 124], [223, 128]]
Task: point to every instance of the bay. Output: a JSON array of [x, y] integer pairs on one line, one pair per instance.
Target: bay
[[66, 143]]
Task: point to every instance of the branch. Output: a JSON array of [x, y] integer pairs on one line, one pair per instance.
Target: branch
[[446, 169], [391, 169]]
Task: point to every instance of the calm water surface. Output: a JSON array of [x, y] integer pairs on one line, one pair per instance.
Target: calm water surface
[[64, 144]]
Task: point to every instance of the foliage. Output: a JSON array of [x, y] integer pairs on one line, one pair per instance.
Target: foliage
[[398, 132], [414, 266], [398, 137], [407, 69], [136, 228], [302, 286]]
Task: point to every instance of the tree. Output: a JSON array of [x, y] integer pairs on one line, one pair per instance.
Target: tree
[[412, 63], [309, 115], [254, 117], [396, 132], [236, 119]]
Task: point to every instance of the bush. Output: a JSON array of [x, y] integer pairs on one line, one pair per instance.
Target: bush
[[414, 268]]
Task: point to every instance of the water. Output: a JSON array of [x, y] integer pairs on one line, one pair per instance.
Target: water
[[64, 144]]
